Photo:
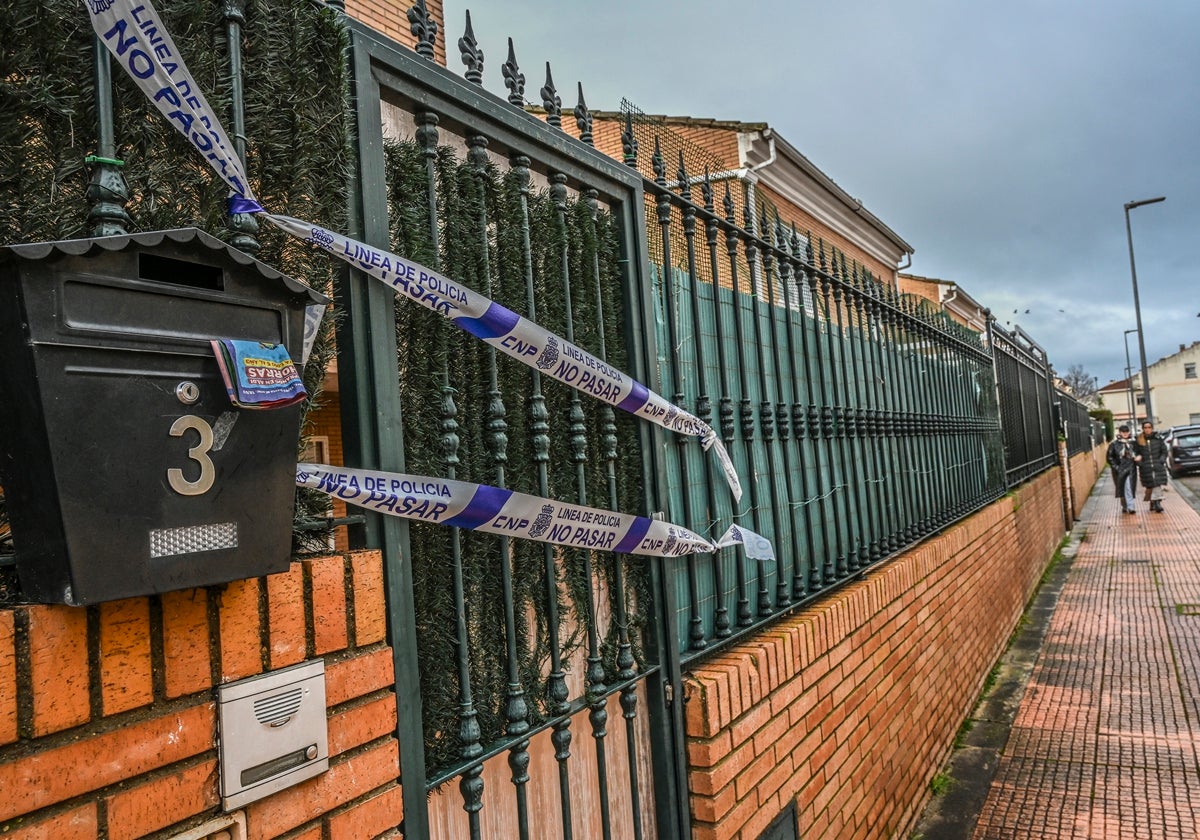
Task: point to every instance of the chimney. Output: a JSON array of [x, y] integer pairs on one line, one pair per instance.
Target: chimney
[[1182, 347]]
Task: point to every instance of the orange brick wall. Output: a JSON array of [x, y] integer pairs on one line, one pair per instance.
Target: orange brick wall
[[850, 706], [806, 223], [108, 715], [391, 18], [1086, 469], [927, 289]]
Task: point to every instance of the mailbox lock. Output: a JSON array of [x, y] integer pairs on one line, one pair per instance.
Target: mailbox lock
[[187, 392], [311, 752]]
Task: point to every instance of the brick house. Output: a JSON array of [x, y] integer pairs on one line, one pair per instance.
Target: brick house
[[947, 296], [753, 157]]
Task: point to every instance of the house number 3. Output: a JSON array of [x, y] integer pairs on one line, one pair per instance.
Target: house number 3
[[198, 453]]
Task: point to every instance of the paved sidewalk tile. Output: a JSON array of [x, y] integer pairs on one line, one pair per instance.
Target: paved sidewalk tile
[[1106, 743]]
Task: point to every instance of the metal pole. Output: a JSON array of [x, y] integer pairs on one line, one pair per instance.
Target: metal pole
[[1128, 377], [1137, 309]]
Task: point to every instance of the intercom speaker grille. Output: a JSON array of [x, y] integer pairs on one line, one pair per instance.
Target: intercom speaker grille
[[278, 710]]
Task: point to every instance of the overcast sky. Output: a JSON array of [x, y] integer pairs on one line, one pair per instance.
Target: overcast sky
[[999, 140]]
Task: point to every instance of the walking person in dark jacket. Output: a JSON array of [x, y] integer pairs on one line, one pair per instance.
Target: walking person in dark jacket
[[1150, 453], [1120, 458]]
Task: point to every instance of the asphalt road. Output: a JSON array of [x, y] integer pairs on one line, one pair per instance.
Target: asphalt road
[[1192, 483]]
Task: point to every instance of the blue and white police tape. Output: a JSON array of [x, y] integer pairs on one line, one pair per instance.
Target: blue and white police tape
[[514, 335], [478, 507], [135, 35], [493, 510]]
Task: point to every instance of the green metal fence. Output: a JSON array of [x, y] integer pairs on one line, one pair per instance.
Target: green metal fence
[[1025, 386], [859, 422]]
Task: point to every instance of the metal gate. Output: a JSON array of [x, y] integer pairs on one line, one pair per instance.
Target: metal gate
[[532, 696]]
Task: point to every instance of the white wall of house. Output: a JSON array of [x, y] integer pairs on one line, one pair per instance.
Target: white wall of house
[[1174, 389]]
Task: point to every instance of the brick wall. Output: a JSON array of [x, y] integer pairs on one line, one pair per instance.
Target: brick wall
[[806, 223], [850, 706], [1086, 469], [391, 18], [108, 719]]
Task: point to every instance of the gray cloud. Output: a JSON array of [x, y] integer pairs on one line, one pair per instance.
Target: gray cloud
[[1000, 140]]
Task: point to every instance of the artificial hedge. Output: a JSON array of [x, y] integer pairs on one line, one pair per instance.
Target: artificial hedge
[[297, 128], [436, 361]]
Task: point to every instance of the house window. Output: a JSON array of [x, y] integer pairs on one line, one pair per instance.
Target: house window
[[1141, 399], [1189, 370], [316, 450], [1194, 419]]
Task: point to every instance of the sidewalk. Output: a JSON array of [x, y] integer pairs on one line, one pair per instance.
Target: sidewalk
[[1091, 725], [1106, 739]]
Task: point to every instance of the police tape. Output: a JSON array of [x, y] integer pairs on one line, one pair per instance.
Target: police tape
[[494, 510], [514, 335], [136, 36]]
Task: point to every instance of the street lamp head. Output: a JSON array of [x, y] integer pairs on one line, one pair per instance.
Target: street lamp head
[[1129, 205]]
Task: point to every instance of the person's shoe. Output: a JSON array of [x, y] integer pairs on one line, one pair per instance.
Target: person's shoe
[[1157, 507]]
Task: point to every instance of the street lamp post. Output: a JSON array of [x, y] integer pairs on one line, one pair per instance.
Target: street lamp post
[[1137, 309], [1129, 380]]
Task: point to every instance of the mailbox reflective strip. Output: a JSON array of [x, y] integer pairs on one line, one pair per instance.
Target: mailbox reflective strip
[[169, 542]]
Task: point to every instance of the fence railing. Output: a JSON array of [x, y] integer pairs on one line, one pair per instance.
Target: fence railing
[[861, 423], [1082, 432], [1025, 389]]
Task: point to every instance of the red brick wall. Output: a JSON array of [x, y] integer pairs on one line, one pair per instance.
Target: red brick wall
[[391, 18], [108, 719], [1086, 469], [809, 224], [850, 707]]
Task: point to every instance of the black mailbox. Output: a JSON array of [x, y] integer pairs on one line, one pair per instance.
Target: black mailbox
[[125, 467]]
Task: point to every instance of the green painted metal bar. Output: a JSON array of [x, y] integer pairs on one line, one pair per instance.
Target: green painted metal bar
[[516, 709], [372, 424], [830, 427], [766, 411], [469, 747], [848, 427], [745, 413], [107, 192], [818, 399], [786, 546], [556, 685], [598, 714], [703, 403], [864, 450], [624, 660], [243, 225], [696, 635], [791, 419], [712, 228]]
